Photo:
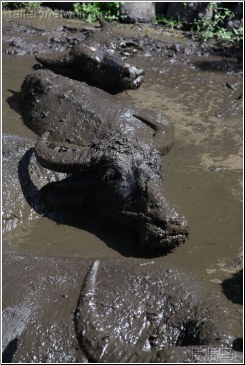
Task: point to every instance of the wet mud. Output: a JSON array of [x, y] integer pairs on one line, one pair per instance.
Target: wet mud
[[69, 310], [200, 91], [38, 318]]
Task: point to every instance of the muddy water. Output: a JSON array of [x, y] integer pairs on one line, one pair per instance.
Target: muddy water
[[203, 172]]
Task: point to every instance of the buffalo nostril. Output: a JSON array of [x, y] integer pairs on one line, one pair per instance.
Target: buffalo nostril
[[139, 72], [133, 71], [157, 217]]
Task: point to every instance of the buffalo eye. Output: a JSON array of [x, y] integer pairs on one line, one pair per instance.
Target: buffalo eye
[[112, 175], [126, 72]]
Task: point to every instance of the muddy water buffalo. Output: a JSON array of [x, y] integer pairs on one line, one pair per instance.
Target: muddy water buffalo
[[97, 67], [133, 311], [128, 311], [116, 164], [116, 161], [121, 179], [76, 113], [93, 63]]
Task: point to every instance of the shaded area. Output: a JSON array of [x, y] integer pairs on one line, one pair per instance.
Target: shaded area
[[30, 191], [10, 350], [76, 217], [233, 287], [14, 101], [112, 232], [219, 66], [238, 344]]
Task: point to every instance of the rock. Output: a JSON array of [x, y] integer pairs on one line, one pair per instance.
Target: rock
[[188, 12], [235, 23], [59, 5], [238, 10], [161, 8], [138, 12]]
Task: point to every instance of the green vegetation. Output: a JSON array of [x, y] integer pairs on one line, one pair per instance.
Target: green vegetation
[[214, 29], [91, 11], [204, 29], [169, 22], [84, 10], [26, 5]]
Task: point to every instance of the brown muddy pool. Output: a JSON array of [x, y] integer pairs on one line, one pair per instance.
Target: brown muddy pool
[[203, 173]]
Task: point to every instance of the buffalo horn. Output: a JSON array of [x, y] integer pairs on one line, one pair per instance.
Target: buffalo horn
[[61, 158]]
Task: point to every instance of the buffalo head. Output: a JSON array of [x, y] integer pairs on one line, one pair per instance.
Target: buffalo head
[[125, 183], [96, 66]]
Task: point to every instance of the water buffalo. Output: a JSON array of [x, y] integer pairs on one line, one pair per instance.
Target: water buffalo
[[126, 310], [76, 113], [133, 311], [116, 163], [113, 176], [93, 63]]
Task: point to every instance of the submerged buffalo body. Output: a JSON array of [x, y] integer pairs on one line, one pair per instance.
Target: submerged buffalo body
[[74, 112], [97, 67], [115, 163], [165, 314], [93, 63]]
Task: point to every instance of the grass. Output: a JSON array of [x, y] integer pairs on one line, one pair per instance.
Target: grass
[[214, 29], [91, 11], [170, 23], [204, 30], [20, 5]]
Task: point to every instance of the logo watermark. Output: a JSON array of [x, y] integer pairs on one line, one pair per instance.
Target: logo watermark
[[210, 354], [41, 15]]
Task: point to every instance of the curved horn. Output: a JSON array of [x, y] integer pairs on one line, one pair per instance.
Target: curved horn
[[97, 343], [163, 130], [61, 158], [59, 60], [80, 53]]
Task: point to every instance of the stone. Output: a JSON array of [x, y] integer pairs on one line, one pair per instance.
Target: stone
[[138, 12]]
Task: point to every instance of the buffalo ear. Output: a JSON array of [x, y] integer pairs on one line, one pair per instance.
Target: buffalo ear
[[59, 60], [163, 129], [62, 158]]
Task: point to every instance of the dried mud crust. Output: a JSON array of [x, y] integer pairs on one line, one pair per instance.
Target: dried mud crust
[[21, 37]]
